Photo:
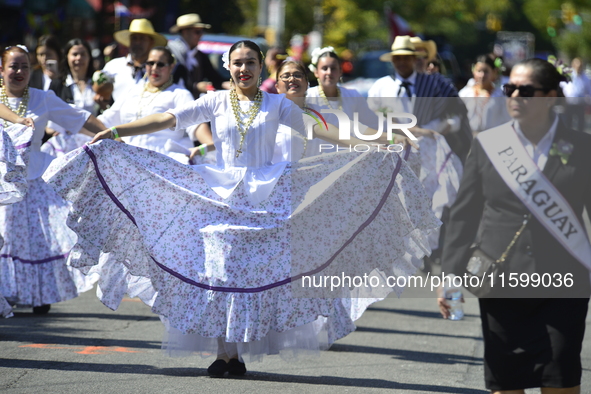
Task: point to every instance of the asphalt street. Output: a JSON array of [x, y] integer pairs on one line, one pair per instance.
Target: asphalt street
[[401, 346]]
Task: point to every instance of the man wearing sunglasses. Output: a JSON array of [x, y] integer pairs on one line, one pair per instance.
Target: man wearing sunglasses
[[194, 67]]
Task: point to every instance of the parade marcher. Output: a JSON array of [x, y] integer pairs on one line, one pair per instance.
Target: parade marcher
[[292, 80], [157, 94], [13, 171], [431, 98], [578, 93], [49, 59], [77, 91], [194, 66], [129, 70], [275, 56], [522, 195], [326, 65], [225, 245], [485, 102], [33, 269], [426, 52]]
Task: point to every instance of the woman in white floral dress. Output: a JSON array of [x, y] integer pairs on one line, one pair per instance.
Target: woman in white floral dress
[[13, 171], [33, 269], [228, 247]]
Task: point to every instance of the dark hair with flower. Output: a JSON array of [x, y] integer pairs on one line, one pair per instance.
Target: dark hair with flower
[[564, 70]]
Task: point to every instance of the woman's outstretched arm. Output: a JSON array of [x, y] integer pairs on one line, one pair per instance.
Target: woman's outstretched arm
[[145, 125]]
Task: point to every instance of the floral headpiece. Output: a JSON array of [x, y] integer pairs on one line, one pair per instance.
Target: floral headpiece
[[226, 60], [316, 54], [24, 48], [563, 69]]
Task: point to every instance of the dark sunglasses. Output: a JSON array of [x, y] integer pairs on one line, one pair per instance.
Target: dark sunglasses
[[524, 90], [157, 64]]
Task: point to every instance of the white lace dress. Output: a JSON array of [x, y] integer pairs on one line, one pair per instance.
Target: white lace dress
[[226, 246]]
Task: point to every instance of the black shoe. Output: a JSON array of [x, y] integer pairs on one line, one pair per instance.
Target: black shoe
[[236, 368], [41, 310], [218, 368]]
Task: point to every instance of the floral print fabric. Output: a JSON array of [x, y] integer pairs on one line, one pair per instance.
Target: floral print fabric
[[226, 268]]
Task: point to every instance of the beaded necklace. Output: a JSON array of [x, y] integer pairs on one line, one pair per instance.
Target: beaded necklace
[[251, 113], [156, 92], [22, 107], [327, 101]]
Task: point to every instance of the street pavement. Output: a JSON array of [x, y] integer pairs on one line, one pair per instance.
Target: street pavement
[[401, 346]]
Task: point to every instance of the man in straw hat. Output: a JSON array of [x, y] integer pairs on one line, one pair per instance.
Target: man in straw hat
[[414, 88], [194, 67], [426, 51], [127, 71]]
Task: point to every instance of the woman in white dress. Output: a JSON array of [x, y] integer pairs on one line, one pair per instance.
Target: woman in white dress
[[228, 247], [13, 171], [484, 101], [156, 95], [326, 66], [292, 81], [33, 268]]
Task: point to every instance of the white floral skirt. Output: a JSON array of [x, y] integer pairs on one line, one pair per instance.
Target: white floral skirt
[[37, 240], [440, 171], [229, 272], [14, 143]]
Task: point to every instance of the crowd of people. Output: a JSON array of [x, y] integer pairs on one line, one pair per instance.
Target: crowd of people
[[209, 199]]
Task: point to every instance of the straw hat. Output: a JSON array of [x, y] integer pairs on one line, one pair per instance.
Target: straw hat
[[402, 46], [428, 46], [139, 26], [188, 20]]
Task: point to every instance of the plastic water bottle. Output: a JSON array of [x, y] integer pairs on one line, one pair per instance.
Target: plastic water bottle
[[454, 300]]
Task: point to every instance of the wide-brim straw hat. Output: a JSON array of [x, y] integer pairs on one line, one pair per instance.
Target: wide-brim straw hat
[[402, 45], [187, 21], [139, 26], [428, 45]]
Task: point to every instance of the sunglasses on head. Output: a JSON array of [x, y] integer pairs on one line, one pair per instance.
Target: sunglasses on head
[[157, 64], [524, 90]]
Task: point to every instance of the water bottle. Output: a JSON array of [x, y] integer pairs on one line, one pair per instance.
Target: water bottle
[[454, 300]]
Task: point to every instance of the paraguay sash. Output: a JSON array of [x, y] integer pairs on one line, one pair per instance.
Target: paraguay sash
[[540, 196]]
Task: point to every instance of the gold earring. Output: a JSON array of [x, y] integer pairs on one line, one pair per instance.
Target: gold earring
[[260, 81]]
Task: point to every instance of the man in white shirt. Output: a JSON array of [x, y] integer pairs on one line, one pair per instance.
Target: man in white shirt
[[194, 67], [416, 92], [130, 70], [578, 93]]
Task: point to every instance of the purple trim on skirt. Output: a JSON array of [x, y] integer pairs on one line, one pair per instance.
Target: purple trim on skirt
[[261, 288], [23, 145], [407, 152], [444, 163], [42, 261]]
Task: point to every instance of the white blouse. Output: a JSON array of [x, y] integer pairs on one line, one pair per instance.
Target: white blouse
[[139, 103], [485, 112], [254, 165], [45, 106], [352, 102]]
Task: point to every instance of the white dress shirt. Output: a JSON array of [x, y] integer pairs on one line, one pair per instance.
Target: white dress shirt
[[539, 152]]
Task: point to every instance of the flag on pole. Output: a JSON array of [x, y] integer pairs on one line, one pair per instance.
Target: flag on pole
[[121, 10], [398, 26]]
